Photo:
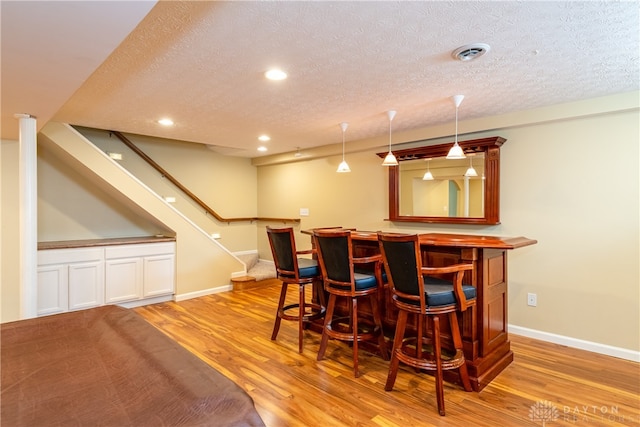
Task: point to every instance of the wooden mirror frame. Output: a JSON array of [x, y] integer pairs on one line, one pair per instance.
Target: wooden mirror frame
[[491, 149]]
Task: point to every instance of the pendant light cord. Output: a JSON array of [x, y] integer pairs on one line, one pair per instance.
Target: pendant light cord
[[456, 141], [343, 145]]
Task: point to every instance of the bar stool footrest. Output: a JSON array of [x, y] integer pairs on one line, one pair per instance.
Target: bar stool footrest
[[317, 312], [407, 354], [340, 328]]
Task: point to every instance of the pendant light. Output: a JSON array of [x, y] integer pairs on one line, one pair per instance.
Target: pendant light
[[427, 175], [471, 171], [343, 167], [390, 160], [456, 151]]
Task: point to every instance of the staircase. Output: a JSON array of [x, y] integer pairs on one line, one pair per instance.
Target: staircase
[[203, 265], [259, 273]]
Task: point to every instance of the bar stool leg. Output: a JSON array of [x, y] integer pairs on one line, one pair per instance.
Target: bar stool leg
[[279, 312], [397, 346], [420, 318], [437, 350], [378, 323], [354, 327], [320, 298], [301, 314], [327, 324]]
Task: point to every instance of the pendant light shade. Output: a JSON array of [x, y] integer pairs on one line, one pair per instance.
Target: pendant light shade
[[343, 166], [427, 175], [390, 160], [471, 171], [456, 151]]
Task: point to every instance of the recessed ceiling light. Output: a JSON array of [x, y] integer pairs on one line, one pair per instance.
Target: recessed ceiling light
[[275, 74], [264, 138], [166, 122], [470, 51], [262, 148]]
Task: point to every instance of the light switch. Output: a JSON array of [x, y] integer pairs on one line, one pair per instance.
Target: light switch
[[304, 211]]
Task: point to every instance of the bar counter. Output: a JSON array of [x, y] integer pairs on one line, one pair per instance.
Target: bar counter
[[484, 327]]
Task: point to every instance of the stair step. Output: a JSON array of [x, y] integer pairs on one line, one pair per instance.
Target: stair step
[[259, 273], [250, 259], [248, 282]]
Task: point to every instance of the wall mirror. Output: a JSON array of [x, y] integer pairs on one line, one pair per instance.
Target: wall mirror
[[453, 196]]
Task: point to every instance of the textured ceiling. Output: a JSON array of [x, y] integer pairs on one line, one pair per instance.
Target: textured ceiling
[[202, 64]]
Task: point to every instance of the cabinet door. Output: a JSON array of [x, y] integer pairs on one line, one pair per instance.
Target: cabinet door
[[123, 280], [53, 289], [159, 275], [86, 285]]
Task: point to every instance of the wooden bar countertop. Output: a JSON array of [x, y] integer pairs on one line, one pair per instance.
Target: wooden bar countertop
[[457, 240], [87, 243]]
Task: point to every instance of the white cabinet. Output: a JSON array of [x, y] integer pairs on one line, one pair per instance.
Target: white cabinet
[[86, 285], [139, 271], [124, 279], [70, 279], [158, 270], [79, 278], [53, 289]]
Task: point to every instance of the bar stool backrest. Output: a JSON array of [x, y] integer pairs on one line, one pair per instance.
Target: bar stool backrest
[[335, 258], [283, 248], [401, 256]]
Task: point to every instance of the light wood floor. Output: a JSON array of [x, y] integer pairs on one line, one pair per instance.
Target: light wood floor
[[231, 332]]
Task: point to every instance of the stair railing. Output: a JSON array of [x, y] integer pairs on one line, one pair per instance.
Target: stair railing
[[186, 191]]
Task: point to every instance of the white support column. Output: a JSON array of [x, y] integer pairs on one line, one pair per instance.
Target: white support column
[[28, 184]]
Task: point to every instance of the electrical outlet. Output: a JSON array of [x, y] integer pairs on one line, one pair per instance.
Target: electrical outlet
[[532, 300]]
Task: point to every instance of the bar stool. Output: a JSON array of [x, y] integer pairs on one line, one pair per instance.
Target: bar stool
[[292, 270], [416, 291], [335, 256]]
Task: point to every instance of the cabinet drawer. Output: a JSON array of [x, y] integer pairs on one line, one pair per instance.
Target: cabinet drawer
[[141, 250], [66, 256]]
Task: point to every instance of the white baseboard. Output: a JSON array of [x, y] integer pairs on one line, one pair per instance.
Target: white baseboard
[[210, 291], [621, 353]]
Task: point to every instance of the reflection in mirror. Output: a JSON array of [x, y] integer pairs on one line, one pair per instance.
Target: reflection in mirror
[[453, 191], [455, 195]]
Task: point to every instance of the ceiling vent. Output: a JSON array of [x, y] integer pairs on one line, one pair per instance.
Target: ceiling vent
[[471, 51]]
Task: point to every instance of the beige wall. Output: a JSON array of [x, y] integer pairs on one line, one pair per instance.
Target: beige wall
[[226, 184], [72, 207], [572, 184], [9, 237]]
